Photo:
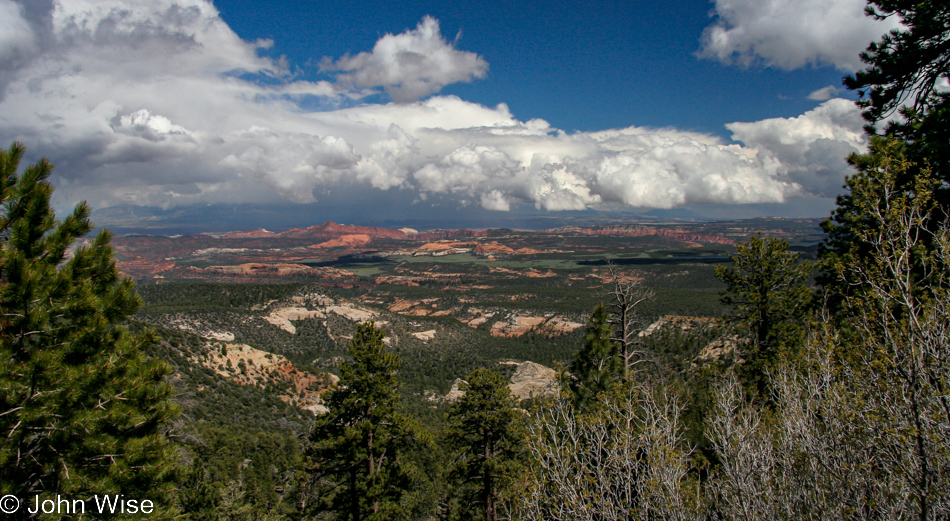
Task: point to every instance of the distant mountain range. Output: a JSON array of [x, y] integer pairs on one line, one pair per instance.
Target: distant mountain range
[[220, 219]]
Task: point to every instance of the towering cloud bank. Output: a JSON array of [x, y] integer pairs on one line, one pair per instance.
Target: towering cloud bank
[[158, 102]]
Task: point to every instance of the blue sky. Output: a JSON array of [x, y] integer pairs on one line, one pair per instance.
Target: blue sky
[[579, 65], [726, 107]]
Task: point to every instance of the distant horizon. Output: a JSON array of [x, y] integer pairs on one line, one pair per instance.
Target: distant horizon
[[214, 221]]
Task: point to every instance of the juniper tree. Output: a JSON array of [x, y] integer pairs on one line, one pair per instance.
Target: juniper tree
[[82, 410]]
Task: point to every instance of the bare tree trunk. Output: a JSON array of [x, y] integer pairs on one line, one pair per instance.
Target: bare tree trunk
[[626, 296], [372, 468], [354, 497]]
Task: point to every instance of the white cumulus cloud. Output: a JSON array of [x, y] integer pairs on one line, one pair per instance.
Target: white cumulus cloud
[[824, 93], [789, 34], [410, 65]]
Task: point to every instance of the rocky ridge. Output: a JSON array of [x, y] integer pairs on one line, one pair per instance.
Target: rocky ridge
[[531, 380], [644, 231], [246, 365]]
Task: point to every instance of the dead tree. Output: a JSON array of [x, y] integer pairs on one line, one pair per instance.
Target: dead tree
[[625, 296]]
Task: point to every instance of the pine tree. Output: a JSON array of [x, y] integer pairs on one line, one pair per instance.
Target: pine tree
[[82, 411], [905, 69], [198, 496], [598, 366], [767, 287], [359, 448], [486, 431]]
